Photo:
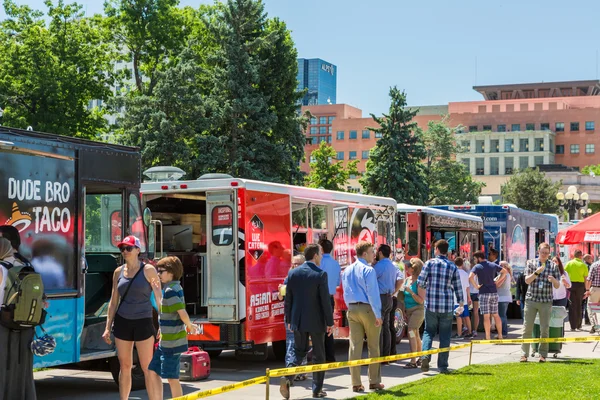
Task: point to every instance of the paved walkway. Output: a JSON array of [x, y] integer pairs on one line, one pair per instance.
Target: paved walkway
[[63, 384]]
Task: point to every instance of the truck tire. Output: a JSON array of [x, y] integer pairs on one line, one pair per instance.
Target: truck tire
[[138, 381], [279, 350], [214, 353]]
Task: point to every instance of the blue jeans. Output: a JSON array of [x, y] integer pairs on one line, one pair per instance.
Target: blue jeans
[[502, 310], [435, 323]]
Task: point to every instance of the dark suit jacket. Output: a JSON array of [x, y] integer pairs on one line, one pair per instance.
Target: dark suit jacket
[[307, 304]]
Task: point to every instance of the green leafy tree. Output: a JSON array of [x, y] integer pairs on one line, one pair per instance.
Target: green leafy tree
[[51, 66], [448, 180], [531, 190], [326, 173], [592, 170], [151, 33], [395, 167]]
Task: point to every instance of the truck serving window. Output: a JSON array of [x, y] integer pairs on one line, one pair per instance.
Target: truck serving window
[[222, 226], [136, 224], [102, 222]]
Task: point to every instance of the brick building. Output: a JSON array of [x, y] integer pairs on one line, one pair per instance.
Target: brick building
[[515, 126]]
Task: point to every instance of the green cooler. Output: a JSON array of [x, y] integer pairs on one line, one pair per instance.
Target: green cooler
[[557, 330]]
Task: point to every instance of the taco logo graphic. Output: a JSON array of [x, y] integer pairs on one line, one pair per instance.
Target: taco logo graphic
[[18, 219]]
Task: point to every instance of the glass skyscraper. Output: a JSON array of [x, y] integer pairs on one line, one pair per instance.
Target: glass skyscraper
[[320, 78]]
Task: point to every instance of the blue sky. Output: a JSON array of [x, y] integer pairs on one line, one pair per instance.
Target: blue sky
[[436, 50]]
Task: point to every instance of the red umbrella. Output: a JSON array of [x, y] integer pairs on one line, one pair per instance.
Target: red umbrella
[[586, 231]]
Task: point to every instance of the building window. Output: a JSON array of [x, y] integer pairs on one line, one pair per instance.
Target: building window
[[322, 120], [530, 127], [479, 163], [494, 146], [509, 165], [494, 165], [523, 145], [352, 155], [352, 176], [365, 154], [560, 127], [329, 139], [313, 130], [560, 149], [502, 128], [515, 127], [590, 149], [313, 120], [523, 162], [339, 135], [340, 155], [467, 163], [538, 160], [487, 128], [480, 146], [545, 126], [466, 145], [551, 146], [322, 130], [473, 128], [574, 149], [331, 119], [589, 125], [353, 135], [538, 144], [312, 159], [509, 145], [312, 140], [574, 126], [329, 129], [366, 134], [378, 135]]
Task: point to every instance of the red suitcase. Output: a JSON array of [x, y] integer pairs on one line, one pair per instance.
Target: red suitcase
[[194, 365]]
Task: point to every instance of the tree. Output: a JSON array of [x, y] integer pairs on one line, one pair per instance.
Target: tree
[[151, 33], [395, 167], [327, 174], [448, 180], [52, 66], [592, 170], [531, 190]]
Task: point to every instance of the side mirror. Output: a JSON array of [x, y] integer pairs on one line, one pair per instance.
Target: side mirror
[[147, 216]]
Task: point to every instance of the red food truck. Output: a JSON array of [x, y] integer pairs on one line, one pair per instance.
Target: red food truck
[[236, 239]]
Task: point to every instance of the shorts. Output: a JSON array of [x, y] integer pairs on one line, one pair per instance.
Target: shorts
[[165, 365], [488, 303], [415, 316], [465, 313], [474, 296], [133, 330]]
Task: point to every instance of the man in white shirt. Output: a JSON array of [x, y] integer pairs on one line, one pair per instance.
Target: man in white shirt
[[465, 316]]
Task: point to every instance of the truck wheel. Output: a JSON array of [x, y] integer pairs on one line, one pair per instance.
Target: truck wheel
[[137, 374], [214, 353], [279, 349]]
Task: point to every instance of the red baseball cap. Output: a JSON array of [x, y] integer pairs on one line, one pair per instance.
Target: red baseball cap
[[130, 241]]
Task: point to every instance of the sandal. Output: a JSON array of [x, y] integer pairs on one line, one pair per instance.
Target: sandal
[[300, 378], [542, 359], [410, 365], [523, 359], [358, 389], [418, 362]]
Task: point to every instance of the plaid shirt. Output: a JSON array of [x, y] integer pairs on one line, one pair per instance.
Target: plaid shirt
[[540, 289], [440, 277], [594, 275]]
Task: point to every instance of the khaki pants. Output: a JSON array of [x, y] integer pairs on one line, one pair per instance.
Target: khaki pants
[[532, 308], [594, 298], [362, 321]]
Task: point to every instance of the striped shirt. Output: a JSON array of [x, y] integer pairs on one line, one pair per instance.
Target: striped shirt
[[173, 336]]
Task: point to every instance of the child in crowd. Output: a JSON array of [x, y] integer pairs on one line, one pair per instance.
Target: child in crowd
[[173, 320], [463, 318]]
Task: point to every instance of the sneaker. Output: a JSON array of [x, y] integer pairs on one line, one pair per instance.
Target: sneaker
[[444, 371], [456, 336], [467, 336], [474, 334], [425, 365]]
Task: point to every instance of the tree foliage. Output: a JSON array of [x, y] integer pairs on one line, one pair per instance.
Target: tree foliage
[[395, 167], [531, 190], [326, 173], [448, 180], [51, 66], [592, 170]]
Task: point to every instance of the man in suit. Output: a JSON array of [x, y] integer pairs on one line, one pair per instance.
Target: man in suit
[[309, 314]]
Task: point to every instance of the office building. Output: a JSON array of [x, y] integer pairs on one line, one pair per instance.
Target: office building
[[320, 79]]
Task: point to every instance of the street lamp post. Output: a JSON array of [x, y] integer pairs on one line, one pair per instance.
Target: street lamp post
[[585, 213], [573, 201]]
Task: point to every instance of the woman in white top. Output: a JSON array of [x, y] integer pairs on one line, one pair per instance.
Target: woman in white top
[[503, 284], [16, 362], [474, 290], [559, 296]]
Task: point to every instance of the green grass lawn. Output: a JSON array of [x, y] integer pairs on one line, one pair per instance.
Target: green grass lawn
[[531, 380]]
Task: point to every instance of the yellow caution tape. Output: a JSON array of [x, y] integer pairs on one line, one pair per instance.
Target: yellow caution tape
[[539, 340], [355, 363], [223, 389]]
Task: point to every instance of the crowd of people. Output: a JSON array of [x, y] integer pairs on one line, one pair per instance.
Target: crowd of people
[[433, 293]]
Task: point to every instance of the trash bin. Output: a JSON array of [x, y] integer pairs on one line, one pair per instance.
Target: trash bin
[[557, 329]]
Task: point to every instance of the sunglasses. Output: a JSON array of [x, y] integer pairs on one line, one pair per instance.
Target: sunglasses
[[160, 271], [127, 248]]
